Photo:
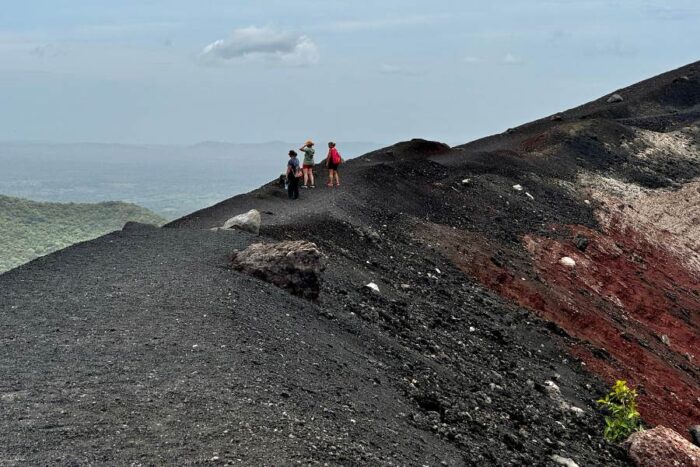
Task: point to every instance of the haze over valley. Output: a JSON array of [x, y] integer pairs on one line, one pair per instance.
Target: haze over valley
[[169, 180]]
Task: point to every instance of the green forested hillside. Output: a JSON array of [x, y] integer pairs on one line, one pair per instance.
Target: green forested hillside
[[30, 229]]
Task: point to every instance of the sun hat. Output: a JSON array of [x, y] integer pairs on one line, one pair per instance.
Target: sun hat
[[309, 143]]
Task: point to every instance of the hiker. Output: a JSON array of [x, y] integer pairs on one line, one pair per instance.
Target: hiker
[[332, 162], [293, 175], [308, 165]]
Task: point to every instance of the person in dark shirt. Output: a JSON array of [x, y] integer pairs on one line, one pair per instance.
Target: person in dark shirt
[[293, 172]]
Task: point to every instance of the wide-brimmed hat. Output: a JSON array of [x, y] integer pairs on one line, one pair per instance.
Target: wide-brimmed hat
[[309, 143]]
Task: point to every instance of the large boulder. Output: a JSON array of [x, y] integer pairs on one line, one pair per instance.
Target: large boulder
[[661, 447], [295, 266], [250, 222]]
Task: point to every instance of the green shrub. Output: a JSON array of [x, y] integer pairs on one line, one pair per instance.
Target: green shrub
[[29, 229], [623, 419]]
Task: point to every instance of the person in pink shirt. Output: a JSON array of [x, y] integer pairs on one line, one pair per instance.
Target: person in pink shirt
[[332, 162]]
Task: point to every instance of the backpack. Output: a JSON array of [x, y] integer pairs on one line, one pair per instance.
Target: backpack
[[335, 157]]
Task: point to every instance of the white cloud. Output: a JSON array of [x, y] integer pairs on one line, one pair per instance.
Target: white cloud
[[255, 43], [470, 59], [387, 69], [46, 51], [510, 58]]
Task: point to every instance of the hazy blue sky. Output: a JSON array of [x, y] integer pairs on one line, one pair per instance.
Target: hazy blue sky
[[176, 71]]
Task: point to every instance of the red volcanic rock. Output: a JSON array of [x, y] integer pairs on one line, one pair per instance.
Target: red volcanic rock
[[661, 447]]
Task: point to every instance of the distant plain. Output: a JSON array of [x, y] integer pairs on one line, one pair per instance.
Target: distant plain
[[170, 180]]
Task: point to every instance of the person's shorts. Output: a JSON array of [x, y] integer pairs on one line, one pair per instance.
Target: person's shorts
[[332, 166], [307, 166]]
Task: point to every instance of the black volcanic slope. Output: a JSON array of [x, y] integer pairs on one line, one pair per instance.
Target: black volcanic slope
[[144, 347]]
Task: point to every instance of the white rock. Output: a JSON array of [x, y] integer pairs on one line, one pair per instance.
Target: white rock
[[249, 222], [665, 339], [529, 196], [518, 187], [552, 390], [565, 461], [466, 181], [373, 287], [472, 329], [586, 201], [405, 286], [615, 98], [568, 262]]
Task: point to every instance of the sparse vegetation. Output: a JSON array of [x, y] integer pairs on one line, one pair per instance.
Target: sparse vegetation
[[623, 418], [30, 229]]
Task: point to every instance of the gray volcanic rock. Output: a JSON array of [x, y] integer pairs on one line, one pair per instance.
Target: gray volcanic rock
[[249, 222], [615, 98], [292, 265]]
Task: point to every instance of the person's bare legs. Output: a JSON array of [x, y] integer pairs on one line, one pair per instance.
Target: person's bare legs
[[311, 176], [330, 177], [337, 178], [306, 177]]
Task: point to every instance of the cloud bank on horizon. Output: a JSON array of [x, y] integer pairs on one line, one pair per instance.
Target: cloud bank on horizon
[[174, 72]]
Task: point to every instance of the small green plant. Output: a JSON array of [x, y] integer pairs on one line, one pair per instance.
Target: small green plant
[[623, 418]]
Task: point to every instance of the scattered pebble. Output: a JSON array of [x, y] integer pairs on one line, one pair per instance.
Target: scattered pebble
[[568, 262], [565, 461]]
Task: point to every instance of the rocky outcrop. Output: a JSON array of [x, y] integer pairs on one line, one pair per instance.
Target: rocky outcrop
[[133, 226], [295, 266], [695, 433], [249, 222], [661, 447]]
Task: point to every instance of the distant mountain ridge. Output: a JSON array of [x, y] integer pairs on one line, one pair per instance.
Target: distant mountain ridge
[[30, 229]]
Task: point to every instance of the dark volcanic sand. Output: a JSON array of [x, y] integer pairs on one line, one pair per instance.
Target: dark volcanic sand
[[144, 347]]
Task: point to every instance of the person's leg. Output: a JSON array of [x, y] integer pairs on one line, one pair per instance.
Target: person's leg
[[311, 176], [306, 177], [330, 177], [296, 189], [290, 186], [337, 178]]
